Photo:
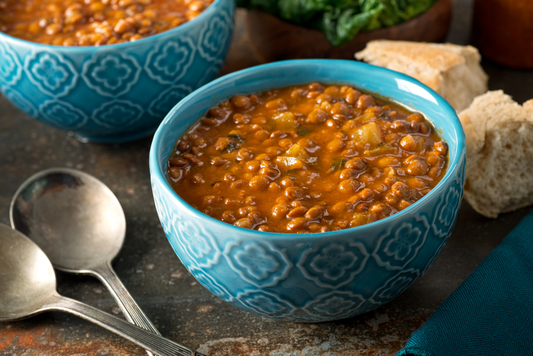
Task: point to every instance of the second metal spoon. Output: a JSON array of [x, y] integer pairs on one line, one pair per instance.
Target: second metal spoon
[[79, 224], [28, 287]]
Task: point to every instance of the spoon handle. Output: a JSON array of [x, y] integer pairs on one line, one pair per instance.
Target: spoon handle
[[147, 340], [132, 312]]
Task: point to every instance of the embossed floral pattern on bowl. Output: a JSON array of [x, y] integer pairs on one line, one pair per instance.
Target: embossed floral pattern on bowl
[[311, 277], [117, 92]]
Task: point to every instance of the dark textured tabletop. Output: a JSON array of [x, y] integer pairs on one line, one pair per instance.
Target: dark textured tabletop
[[180, 307]]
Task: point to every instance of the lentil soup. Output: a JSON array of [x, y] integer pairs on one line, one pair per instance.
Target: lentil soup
[[306, 158], [94, 22]]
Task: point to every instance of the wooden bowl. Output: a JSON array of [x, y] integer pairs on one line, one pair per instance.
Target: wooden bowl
[[273, 39]]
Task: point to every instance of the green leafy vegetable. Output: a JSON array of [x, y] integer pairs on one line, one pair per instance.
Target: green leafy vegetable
[[236, 138], [302, 131], [337, 165], [341, 20], [381, 149], [232, 146]]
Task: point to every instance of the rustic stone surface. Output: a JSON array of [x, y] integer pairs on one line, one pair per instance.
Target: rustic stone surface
[[180, 307]]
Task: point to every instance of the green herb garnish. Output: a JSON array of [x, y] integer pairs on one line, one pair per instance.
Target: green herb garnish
[[232, 146], [236, 138], [215, 182], [302, 131], [381, 149], [337, 165]]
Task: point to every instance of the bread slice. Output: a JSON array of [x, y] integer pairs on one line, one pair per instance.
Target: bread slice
[[452, 71], [499, 144]]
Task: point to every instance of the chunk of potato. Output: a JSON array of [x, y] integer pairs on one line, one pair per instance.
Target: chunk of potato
[[289, 162], [297, 151], [295, 158], [367, 134], [286, 121], [366, 117]]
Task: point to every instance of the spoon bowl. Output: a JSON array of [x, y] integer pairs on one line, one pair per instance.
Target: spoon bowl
[[27, 279], [75, 218]]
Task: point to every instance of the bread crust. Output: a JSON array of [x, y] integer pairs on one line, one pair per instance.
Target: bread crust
[[451, 70], [499, 141]]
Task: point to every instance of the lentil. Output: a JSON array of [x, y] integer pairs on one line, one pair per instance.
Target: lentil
[[307, 158], [94, 22]]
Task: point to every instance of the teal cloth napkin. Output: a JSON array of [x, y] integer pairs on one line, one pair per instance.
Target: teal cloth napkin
[[491, 313]]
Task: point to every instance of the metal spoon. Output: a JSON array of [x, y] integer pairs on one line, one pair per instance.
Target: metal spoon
[[28, 287], [79, 223]]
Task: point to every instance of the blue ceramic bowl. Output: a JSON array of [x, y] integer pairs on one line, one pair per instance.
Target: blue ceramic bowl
[[321, 276], [116, 92]]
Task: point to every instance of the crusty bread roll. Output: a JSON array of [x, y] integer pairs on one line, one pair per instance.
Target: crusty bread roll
[[452, 71], [499, 144]]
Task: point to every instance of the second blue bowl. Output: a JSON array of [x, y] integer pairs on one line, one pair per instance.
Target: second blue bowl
[[115, 92]]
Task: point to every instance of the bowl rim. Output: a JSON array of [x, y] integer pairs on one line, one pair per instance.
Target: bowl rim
[[183, 27], [447, 111]]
